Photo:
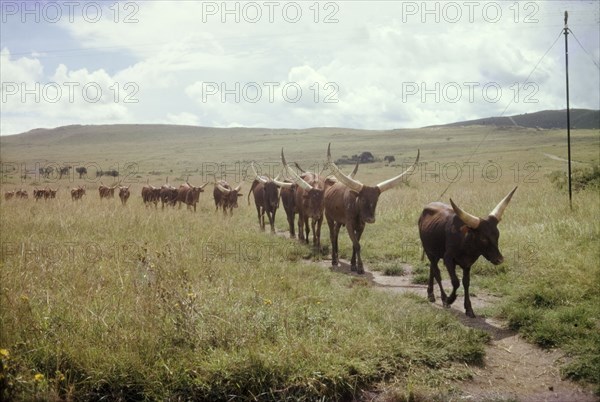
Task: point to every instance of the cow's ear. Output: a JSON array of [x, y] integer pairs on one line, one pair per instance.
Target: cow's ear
[[240, 195], [464, 229]]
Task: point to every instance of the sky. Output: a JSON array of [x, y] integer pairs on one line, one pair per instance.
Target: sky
[[291, 64]]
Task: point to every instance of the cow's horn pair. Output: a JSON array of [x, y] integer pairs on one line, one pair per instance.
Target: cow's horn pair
[[473, 221], [294, 176], [357, 186], [257, 176], [226, 190]]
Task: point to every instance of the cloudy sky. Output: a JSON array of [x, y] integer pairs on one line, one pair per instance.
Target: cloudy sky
[[360, 64]]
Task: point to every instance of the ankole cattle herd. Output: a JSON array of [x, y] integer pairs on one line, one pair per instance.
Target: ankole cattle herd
[[447, 232]]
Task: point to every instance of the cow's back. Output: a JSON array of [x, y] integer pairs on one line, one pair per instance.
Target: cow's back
[[433, 228]]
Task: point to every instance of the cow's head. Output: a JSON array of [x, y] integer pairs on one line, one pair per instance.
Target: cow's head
[[195, 191], [482, 234], [310, 188], [230, 196], [123, 191], [367, 196]]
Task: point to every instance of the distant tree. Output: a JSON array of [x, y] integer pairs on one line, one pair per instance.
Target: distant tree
[[389, 158], [81, 170]]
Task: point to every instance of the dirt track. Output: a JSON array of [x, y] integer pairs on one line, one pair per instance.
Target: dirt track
[[513, 368]]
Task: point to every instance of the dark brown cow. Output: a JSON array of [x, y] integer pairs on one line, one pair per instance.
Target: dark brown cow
[[106, 192], [459, 238], [9, 194], [226, 197], [22, 194], [39, 194], [352, 204], [266, 197], [168, 195], [189, 195], [288, 199], [50, 193], [77, 193], [150, 194], [309, 203], [124, 194]]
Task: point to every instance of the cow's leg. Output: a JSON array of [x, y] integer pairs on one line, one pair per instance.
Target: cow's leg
[[354, 234], [451, 266], [260, 224], [301, 227], [333, 235], [272, 220], [316, 227], [359, 264], [434, 273], [290, 218], [466, 281]]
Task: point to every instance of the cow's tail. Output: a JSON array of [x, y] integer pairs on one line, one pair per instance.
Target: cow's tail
[[423, 255]]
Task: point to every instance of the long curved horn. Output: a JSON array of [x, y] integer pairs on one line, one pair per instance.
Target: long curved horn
[[393, 182], [204, 185], [256, 175], [238, 188], [295, 177], [223, 189], [469, 220], [282, 184], [352, 184], [499, 210]]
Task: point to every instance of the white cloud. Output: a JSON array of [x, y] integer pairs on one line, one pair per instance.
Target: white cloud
[[371, 61]]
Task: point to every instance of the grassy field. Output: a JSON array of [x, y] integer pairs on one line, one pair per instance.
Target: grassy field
[[132, 303]]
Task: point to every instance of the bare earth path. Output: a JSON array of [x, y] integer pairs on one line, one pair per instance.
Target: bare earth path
[[513, 368]]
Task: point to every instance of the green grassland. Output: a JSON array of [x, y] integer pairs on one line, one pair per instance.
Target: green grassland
[[100, 300]]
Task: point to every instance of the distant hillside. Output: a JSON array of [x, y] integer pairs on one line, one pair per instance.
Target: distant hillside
[[547, 119]]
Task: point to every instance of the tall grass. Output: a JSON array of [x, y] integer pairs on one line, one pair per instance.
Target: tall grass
[[103, 301], [131, 303]]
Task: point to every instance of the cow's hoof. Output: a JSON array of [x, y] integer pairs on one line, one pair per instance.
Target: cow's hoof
[[334, 263], [470, 313], [353, 268], [450, 300], [431, 298]]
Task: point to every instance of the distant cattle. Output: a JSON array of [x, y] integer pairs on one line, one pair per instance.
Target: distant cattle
[[189, 195], [21, 194], [77, 193], [150, 194], [39, 194], [106, 192], [309, 203], [225, 196], [50, 193], [63, 171], [459, 238], [9, 194], [266, 197], [352, 204], [124, 194], [168, 195]]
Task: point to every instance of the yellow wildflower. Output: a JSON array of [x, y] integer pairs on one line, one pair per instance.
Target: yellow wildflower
[[4, 353], [267, 302], [38, 377]]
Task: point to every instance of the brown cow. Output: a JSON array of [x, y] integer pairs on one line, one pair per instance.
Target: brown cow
[[39, 194], [22, 194], [150, 194], [9, 194], [459, 238], [288, 199], [168, 195], [124, 194], [309, 203], [352, 204], [77, 193], [189, 195], [266, 197], [106, 192], [50, 193], [225, 196]]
